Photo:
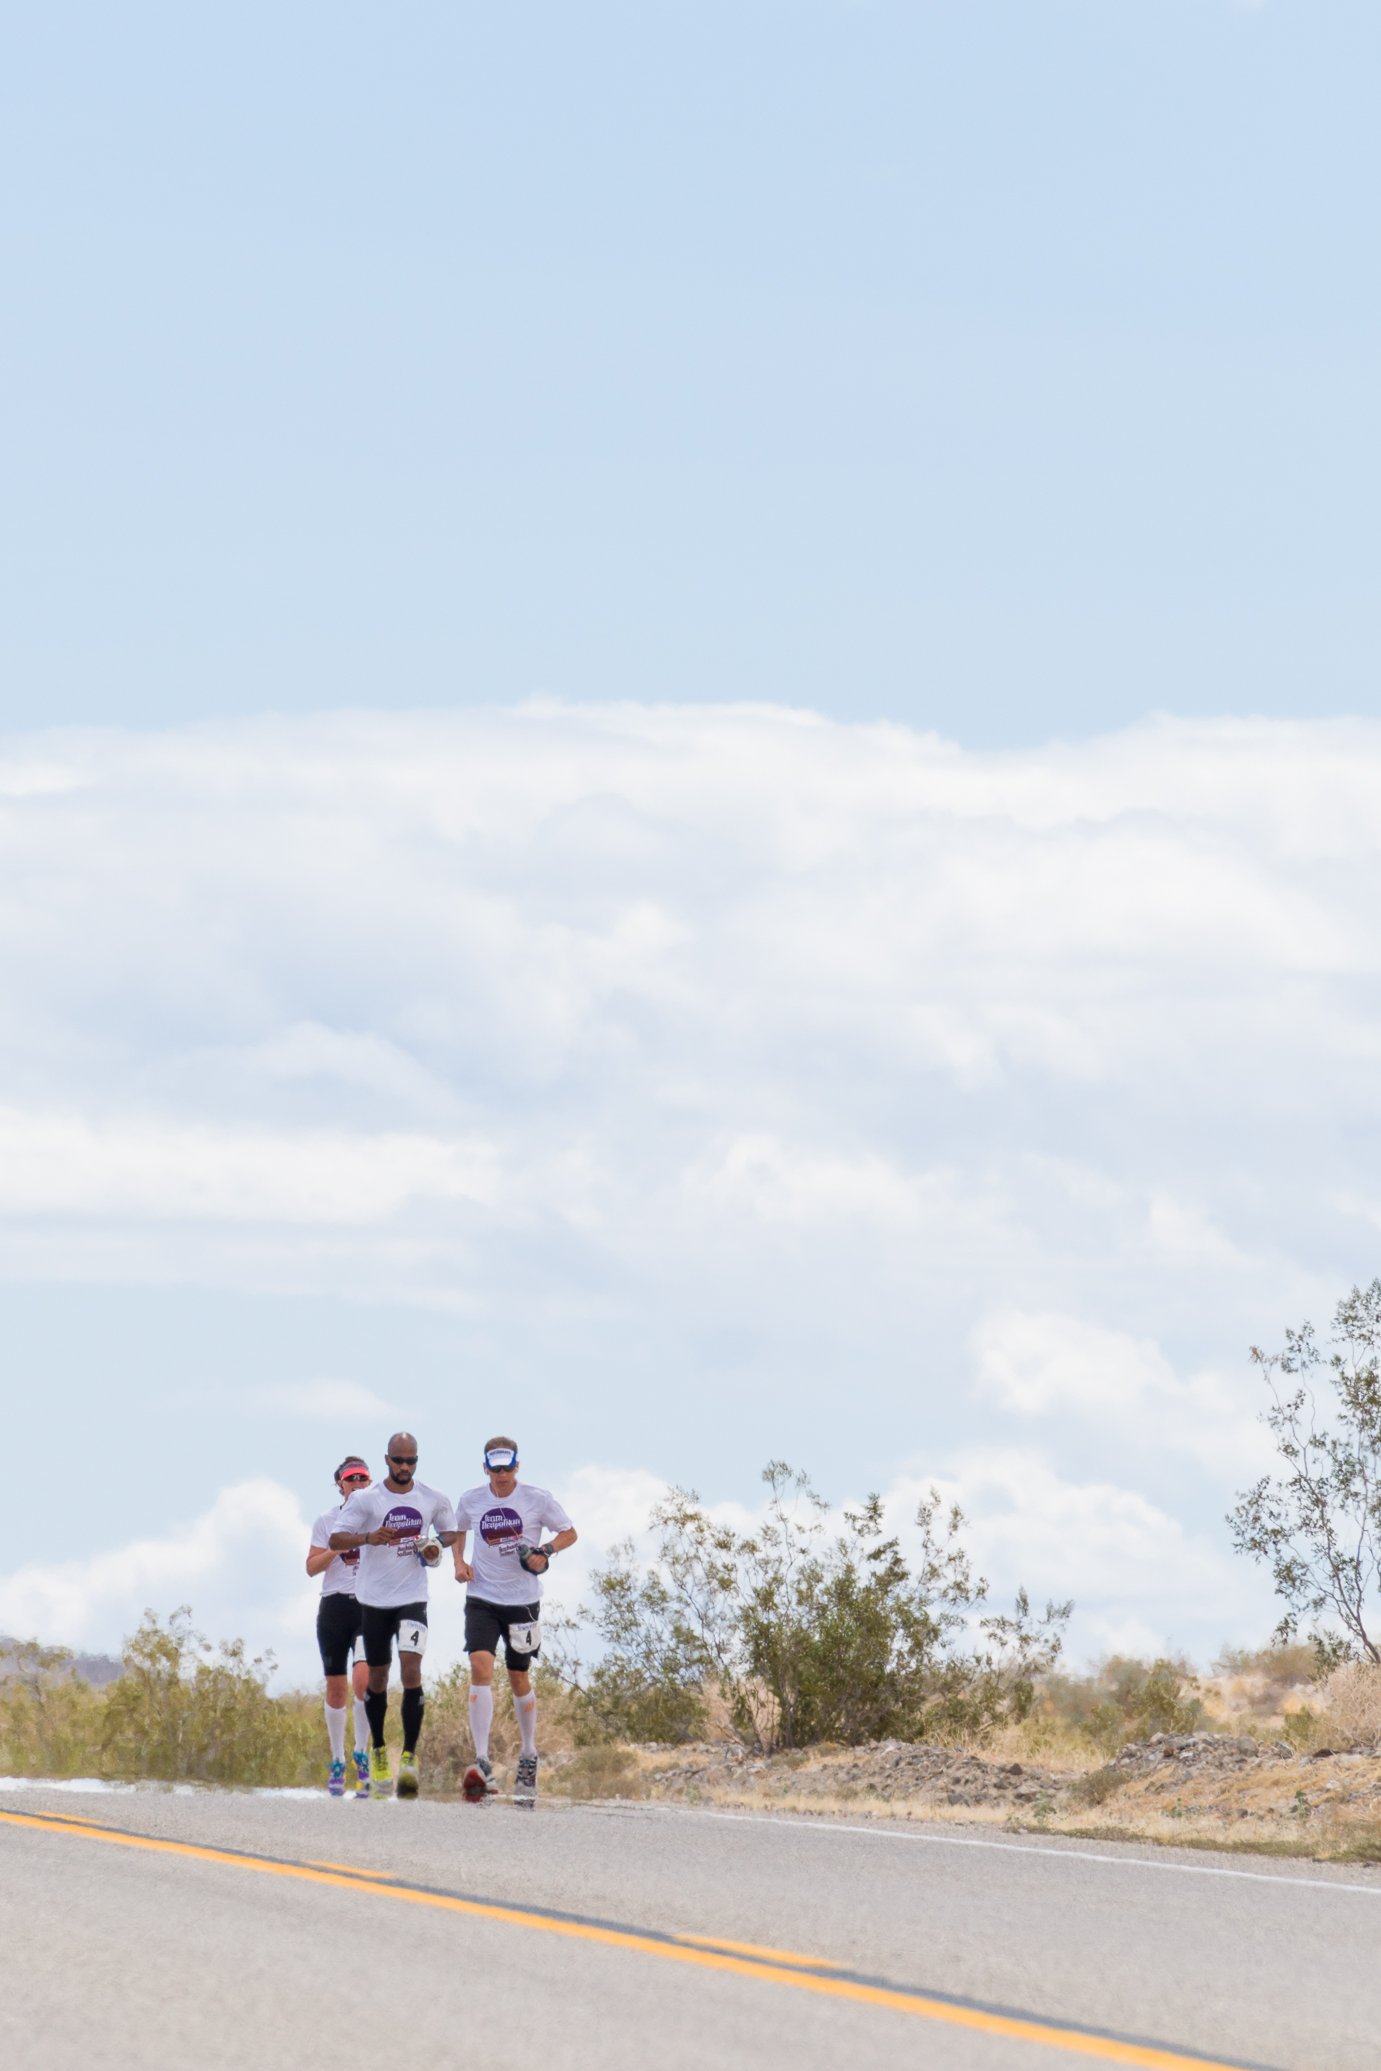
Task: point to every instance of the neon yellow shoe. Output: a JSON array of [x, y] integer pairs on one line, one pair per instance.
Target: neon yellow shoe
[[407, 1776], [380, 1775]]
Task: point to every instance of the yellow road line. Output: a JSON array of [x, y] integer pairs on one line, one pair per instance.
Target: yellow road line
[[353, 1869], [717, 1941], [1105, 2049], [701, 1941]]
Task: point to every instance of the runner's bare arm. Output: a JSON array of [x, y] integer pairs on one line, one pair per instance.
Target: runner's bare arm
[[319, 1558], [346, 1542], [464, 1571]]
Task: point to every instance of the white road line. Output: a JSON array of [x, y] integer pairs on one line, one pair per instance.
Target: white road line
[[1121, 1862]]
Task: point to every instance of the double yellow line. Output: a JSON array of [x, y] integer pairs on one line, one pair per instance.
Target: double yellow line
[[742, 1959]]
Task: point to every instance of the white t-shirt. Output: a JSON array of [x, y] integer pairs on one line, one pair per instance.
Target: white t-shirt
[[390, 1575], [340, 1578], [498, 1523]]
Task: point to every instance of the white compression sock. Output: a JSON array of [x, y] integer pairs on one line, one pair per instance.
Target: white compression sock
[[481, 1716], [361, 1724], [525, 1711], [335, 1726]]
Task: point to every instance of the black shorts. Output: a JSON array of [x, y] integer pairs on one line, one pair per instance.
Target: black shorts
[[380, 1624], [338, 1623], [487, 1624]]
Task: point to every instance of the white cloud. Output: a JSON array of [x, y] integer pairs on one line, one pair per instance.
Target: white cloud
[[1043, 1365], [241, 1566], [137, 1169], [1138, 1577], [1035, 1363], [718, 1044], [779, 1182], [1181, 1230]]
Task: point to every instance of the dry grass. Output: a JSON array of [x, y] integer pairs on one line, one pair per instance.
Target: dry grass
[[1350, 1705], [1048, 1742]]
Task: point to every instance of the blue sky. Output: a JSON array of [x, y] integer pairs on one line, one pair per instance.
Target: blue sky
[[1004, 368], [711, 957]]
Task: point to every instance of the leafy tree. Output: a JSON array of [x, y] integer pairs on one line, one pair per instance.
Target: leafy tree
[[1317, 1525]]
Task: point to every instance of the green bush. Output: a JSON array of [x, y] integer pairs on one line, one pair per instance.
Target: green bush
[[50, 1718], [1097, 1786], [600, 1772], [178, 1716], [1127, 1699], [174, 1714], [806, 1636]]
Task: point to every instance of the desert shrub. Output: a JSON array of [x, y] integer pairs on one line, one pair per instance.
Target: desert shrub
[[49, 1717], [1282, 1667], [1261, 1683], [1351, 1702], [175, 1714], [1127, 1699], [1097, 1786], [806, 1636], [650, 1682], [1164, 1703], [1304, 1728], [600, 1771]]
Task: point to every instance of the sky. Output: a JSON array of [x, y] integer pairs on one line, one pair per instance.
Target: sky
[[689, 750], [1004, 367]]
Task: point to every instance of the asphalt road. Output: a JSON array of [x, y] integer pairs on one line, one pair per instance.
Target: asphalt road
[[215, 1928]]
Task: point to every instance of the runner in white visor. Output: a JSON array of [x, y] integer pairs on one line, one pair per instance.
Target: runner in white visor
[[503, 1602]]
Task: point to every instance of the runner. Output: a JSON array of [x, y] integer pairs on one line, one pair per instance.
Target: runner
[[400, 1526], [503, 1602], [338, 1630]]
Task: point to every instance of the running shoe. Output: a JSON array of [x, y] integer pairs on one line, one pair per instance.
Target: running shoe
[[361, 1761], [478, 1782], [380, 1775], [407, 1776], [335, 1782], [525, 1782]]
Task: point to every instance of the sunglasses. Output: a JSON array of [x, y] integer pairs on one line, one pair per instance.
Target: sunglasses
[[403, 1459], [354, 1477]]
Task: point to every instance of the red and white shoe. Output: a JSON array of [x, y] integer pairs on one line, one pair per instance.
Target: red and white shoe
[[478, 1783]]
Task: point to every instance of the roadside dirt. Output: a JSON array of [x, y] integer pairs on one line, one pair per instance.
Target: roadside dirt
[[1213, 1789]]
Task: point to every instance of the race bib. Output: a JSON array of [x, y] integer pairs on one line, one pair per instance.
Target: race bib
[[412, 1636]]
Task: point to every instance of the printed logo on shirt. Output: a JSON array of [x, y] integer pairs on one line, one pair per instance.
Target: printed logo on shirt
[[501, 1528], [403, 1518], [351, 1558]]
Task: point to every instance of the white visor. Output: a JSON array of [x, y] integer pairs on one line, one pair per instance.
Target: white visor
[[499, 1458]]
